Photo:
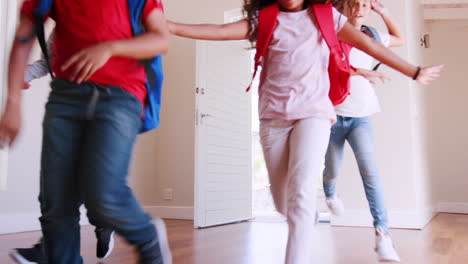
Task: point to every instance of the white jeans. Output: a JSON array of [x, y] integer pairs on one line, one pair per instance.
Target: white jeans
[[294, 152]]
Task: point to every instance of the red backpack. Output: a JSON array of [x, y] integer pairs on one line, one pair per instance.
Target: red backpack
[[338, 69]]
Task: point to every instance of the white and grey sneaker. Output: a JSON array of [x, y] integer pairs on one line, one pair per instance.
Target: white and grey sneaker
[[163, 242], [335, 204], [34, 255], [384, 247]]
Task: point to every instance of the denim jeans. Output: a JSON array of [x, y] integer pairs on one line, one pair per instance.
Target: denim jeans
[[358, 132], [88, 135]]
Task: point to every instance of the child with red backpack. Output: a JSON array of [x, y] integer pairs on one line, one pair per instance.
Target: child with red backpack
[[106, 68], [354, 126], [295, 109]]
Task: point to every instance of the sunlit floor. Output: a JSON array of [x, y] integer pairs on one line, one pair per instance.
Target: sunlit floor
[[443, 241]]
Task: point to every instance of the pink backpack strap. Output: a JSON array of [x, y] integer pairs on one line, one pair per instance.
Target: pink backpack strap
[[267, 21]]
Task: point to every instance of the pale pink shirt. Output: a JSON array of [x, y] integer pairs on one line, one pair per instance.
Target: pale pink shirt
[[294, 83]]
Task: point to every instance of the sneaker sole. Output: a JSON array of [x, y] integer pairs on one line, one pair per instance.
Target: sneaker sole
[[387, 260], [163, 242], [111, 246], [19, 259]]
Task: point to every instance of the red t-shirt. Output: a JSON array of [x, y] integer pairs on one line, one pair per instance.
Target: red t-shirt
[[84, 23]]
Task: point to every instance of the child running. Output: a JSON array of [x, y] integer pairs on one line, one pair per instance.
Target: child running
[[104, 236], [92, 118], [354, 125], [295, 111]]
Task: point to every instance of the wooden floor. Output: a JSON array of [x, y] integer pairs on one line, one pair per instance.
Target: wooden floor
[[444, 241]]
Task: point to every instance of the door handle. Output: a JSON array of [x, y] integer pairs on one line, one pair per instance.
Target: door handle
[[203, 116]]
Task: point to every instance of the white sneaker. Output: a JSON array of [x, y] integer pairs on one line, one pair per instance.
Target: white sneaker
[[163, 242], [335, 205], [384, 247]]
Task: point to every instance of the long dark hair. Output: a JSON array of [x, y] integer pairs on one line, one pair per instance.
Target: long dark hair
[[251, 8]]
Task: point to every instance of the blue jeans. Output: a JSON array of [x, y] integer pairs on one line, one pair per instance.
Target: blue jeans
[[358, 132], [88, 136]]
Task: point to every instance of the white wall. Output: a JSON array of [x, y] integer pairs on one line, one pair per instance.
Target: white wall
[[163, 158], [447, 108], [173, 143], [398, 130], [6, 31], [19, 208]]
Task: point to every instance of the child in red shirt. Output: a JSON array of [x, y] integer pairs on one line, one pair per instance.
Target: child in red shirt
[[93, 116]]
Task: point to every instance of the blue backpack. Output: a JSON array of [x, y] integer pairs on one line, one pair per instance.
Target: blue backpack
[[373, 33], [153, 66]]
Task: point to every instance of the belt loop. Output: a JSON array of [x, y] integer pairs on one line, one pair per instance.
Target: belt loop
[[95, 98]]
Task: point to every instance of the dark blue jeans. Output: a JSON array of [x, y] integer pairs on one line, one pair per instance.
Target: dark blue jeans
[[88, 136]]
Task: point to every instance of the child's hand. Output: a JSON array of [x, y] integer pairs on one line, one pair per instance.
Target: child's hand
[[10, 124], [378, 7], [429, 74], [375, 76], [86, 62]]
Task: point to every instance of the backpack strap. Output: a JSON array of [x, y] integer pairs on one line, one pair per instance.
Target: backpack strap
[[324, 16], [153, 69], [267, 21], [40, 14], [136, 12], [373, 33]]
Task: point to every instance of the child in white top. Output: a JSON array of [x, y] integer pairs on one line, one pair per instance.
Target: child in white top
[[354, 125]]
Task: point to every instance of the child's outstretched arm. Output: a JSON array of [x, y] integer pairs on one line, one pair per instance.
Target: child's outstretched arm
[[372, 47], [372, 76], [396, 34], [233, 31]]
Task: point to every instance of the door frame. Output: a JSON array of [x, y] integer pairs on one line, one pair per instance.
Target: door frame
[[8, 11], [200, 51]]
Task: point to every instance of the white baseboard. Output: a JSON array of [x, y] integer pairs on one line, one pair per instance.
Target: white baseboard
[[171, 212], [404, 220], [18, 223], [454, 208], [355, 218]]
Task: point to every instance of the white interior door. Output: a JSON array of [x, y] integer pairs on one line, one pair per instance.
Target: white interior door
[[223, 151], [7, 27]]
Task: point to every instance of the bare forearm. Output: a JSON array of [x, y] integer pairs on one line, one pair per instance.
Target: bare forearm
[[201, 31], [143, 46], [386, 56], [232, 31], [375, 49], [18, 59], [398, 38], [16, 68], [357, 72]]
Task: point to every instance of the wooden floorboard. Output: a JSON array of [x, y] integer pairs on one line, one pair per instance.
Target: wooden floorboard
[[444, 241]]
